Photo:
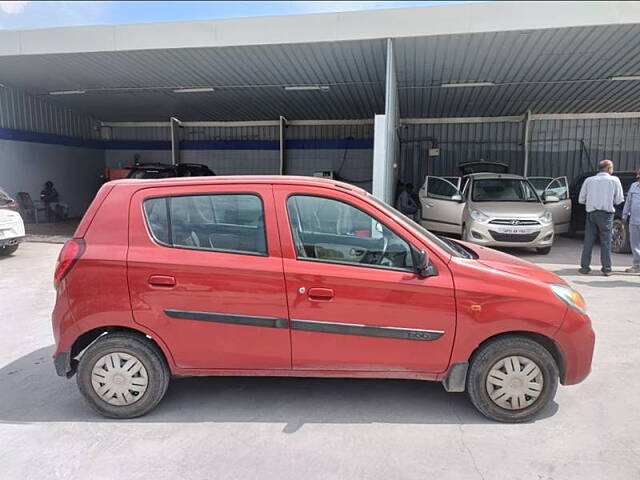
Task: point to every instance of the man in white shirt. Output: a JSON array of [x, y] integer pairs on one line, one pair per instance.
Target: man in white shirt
[[599, 194]]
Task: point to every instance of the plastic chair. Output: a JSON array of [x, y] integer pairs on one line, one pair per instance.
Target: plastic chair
[[30, 208]]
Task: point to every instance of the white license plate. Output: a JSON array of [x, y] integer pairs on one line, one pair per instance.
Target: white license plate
[[515, 231]]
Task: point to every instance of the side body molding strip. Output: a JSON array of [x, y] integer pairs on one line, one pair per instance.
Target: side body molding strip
[[366, 330], [310, 325], [273, 322]]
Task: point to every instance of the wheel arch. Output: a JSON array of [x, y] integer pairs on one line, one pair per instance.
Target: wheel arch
[[90, 336], [548, 343], [455, 379]]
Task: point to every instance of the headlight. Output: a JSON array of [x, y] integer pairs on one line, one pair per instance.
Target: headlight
[[570, 297], [546, 218], [478, 216]]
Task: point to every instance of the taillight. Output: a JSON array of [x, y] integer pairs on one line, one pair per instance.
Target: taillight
[[69, 255]]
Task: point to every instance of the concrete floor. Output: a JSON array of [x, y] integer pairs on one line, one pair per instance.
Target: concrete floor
[[248, 428]]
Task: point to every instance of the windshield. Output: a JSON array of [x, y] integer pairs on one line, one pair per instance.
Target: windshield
[[503, 190], [400, 218]]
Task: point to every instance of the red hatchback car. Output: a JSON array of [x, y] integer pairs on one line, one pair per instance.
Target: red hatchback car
[[295, 276]]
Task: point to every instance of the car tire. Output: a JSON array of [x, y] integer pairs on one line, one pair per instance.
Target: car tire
[[620, 242], [465, 234], [109, 386], [517, 402], [543, 250], [8, 250]]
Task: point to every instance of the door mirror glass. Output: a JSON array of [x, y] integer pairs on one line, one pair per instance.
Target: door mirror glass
[[551, 199], [457, 198], [424, 267]]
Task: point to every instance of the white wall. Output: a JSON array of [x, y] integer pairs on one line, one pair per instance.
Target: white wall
[[75, 171]]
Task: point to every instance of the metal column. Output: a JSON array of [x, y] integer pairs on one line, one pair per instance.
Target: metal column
[[175, 140], [525, 142], [283, 156]]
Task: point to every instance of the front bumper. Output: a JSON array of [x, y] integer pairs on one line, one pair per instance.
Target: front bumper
[[524, 236], [576, 340]]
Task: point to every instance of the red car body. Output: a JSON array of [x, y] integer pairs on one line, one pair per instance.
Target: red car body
[[115, 276]]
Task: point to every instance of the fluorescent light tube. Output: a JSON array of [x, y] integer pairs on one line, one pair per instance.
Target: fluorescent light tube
[[68, 92], [300, 88], [468, 84], [194, 90], [622, 78]]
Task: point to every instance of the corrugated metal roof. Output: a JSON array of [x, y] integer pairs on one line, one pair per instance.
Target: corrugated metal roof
[[547, 71], [248, 81]]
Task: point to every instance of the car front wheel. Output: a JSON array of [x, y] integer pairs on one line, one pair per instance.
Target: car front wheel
[[511, 379], [122, 375]]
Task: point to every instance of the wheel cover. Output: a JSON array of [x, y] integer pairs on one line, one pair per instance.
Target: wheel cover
[[514, 382], [617, 236], [119, 378]]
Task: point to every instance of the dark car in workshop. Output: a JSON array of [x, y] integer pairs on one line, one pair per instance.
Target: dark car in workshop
[[163, 170], [620, 232]]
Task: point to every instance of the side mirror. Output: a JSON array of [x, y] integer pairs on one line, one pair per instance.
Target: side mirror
[[551, 199], [424, 268], [457, 198]]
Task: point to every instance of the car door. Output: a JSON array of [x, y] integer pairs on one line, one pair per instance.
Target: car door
[[205, 274], [561, 210], [441, 205], [355, 301]]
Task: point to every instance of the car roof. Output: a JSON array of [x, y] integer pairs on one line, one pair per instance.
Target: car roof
[[238, 179]]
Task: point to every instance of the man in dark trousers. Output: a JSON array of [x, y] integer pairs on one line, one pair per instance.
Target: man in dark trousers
[[599, 194]]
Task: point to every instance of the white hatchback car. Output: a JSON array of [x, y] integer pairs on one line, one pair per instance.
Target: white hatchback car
[[494, 209], [11, 225]]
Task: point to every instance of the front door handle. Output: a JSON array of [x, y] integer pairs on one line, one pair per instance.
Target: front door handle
[[162, 281], [321, 294]]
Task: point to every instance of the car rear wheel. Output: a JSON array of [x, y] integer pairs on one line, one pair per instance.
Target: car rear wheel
[[8, 250], [620, 237], [512, 379], [122, 375], [543, 251]]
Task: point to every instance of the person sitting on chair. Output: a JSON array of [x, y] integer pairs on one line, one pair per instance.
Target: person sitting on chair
[[51, 200]]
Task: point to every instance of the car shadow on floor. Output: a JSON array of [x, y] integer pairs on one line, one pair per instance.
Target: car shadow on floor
[[30, 392]]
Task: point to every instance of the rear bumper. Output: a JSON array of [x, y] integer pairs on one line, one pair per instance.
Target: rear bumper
[[8, 242], [576, 339]]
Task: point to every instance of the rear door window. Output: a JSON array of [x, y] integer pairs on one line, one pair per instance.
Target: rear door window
[[223, 223]]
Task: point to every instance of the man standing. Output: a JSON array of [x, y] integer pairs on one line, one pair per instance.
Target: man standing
[[631, 213], [599, 194]]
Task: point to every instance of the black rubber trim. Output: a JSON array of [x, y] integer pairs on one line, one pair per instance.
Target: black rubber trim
[[62, 362], [366, 330], [456, 378], [270, 322], [439, 221]]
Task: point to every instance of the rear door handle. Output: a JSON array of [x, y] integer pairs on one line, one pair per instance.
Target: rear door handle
[[162, 281], [322, 294]]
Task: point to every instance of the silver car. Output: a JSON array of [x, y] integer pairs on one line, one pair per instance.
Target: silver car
[[494, 209]]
